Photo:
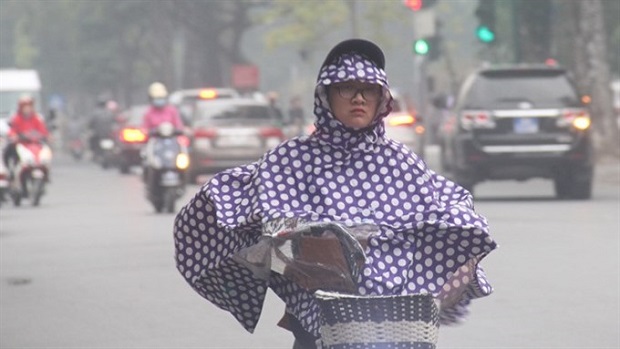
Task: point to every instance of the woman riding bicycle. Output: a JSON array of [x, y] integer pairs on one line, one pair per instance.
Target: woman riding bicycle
[[430, 239]]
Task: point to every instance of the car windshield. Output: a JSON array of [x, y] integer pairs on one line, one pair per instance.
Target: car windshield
[[233, 113], [511, 89]]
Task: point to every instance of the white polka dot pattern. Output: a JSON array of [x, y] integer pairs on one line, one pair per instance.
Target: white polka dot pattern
[[431, 238]]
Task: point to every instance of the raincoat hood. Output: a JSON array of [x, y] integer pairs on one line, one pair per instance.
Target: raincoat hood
[[350, 66]]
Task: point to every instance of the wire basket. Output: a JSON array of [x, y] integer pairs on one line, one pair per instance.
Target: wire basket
[[381, 322]]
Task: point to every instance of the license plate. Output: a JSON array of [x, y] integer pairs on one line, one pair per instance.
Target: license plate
[[170, 178], [106, 144], [525, 125], [38, 173], [238, 141]]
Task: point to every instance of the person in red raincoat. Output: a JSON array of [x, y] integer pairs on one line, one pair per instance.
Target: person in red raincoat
[[23, 122]]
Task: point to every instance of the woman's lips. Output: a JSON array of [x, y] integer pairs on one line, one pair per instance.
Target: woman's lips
[[358, 111]]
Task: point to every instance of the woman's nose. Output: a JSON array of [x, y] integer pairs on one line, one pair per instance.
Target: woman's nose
[[358, 97]]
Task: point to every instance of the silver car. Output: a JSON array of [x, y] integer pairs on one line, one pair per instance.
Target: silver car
[[404, 125], [228, 133]]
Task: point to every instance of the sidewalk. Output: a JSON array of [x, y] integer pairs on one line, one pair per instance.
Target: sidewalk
[[607, 170]]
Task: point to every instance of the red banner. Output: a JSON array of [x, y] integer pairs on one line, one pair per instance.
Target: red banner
[[245, 76]]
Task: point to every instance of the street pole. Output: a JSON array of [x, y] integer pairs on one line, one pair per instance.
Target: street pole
[[355, 31]]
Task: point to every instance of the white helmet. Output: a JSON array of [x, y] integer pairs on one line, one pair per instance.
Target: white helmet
[[158, 90]]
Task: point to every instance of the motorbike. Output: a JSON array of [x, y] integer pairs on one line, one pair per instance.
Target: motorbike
[[106, 151], [4, 172], [103, 150], [77, 148], [4, 181], [31, 173], [165, 165], [326, 259]]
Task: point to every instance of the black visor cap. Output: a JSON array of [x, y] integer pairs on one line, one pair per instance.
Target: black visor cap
[[364, 47]]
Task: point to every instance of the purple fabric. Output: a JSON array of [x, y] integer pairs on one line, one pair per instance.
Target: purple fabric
[[431, 238]]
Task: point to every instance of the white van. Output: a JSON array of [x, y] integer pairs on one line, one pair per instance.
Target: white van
[[15, 83]]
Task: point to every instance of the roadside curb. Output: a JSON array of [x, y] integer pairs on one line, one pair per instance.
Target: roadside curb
[[607, 170]]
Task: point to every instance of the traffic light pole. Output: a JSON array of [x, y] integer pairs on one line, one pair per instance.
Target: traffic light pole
[[422, 86], [420, 76]]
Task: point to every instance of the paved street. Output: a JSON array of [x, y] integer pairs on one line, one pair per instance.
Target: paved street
[[93, 267]]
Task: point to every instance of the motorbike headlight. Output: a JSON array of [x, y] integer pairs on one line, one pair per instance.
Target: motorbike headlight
[[182, 161], [46, 155]]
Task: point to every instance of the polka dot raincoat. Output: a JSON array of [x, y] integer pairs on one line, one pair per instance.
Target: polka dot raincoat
[[431, 238]]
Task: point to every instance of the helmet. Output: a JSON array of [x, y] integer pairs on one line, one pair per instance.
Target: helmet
[[25, 99], [102, 99], [158, 90]]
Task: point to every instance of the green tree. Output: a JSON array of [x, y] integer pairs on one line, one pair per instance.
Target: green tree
[[304, 25]]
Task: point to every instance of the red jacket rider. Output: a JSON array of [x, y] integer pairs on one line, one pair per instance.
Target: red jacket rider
[[26, 119]]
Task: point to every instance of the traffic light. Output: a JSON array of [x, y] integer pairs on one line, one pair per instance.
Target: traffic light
[[421, 47], [417, 5], [485, 32], [429, 46]]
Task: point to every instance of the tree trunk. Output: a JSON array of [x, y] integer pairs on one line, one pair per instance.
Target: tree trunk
[[592, 35], [534, 31]]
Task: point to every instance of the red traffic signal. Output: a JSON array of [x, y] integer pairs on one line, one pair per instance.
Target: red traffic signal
[[415, 5]]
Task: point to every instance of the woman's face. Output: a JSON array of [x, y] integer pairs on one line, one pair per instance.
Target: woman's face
[[354, 103], [27, 110]]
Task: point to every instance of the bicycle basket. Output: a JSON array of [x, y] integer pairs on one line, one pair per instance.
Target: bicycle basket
[[394, 322]]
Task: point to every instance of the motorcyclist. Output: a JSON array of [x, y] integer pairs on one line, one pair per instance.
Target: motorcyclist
[[160, 110], [158, 113], [348, 170], [26, 120], [101, 122]]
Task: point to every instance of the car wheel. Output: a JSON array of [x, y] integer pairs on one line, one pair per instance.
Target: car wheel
[[574, 184], [158, 206], [581, 190], [465, 181], [562, 187]]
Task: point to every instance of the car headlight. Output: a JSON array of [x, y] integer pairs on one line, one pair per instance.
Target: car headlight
[[582, 122], [182, 161]]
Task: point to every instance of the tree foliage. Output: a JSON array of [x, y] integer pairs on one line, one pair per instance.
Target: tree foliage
[[305, 25], [84, 48]]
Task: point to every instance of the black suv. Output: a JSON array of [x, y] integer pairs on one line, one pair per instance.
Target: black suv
[[518, 123]]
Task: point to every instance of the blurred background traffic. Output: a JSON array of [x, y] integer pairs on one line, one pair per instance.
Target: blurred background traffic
[[104, 54], [518, 101]]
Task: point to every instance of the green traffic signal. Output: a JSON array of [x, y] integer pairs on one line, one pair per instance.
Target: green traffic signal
[[421, 47], [485, 34]]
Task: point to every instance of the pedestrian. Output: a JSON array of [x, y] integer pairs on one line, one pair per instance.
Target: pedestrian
[[347, 170], [272, 98], [296, 115]]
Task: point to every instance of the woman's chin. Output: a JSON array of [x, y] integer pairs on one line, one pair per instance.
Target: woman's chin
[[357, 124]]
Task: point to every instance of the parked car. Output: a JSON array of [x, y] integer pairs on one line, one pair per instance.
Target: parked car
[[404, 125], [227, 133], [520, 122], [131, 138], [185, 100]]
